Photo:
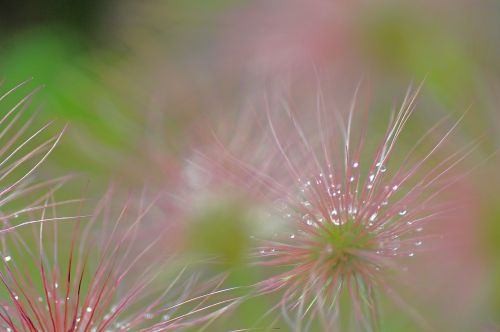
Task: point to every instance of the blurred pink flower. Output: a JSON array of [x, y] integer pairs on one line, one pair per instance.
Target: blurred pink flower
[[281, 35]]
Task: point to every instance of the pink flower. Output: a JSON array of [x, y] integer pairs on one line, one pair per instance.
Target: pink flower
[[104, 276], [355, 212]]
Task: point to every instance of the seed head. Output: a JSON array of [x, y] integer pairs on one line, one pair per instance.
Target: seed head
[[355, 212], [106, 276]]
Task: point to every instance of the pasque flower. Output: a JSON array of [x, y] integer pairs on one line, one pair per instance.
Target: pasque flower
[[355, 212], [104, 276]]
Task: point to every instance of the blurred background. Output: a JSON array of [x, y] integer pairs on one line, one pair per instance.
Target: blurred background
[[133, 77]]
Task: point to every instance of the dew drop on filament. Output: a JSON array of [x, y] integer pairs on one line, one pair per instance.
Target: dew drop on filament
[[381, 167]]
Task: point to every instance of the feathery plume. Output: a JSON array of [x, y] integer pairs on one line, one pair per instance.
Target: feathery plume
[[105, 276], [354, 213]]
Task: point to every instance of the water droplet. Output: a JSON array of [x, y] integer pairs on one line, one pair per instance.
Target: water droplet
[[419, 229], [372, 177], [369, 186], [7, 258], [56, 285], [16, 297], [309, 222], [355, 164], [411, 254], [148, 315], [334, 212], [418, 243], [351, 179], [292, 236], [89, 309], [16, 215], [403, 212], [352, 211], [395, 187], [373, 217], [165, 317]]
